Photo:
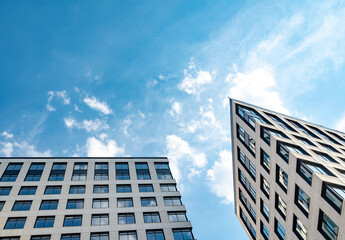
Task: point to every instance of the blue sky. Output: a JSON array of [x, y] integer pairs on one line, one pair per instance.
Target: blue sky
[[151, 78]]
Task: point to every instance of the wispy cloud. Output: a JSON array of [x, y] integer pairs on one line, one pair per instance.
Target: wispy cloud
[[97, 105], [176, 108], [22, 149], [340, 124], [99, 148], [60, 94], [88, 125], [7, 134]]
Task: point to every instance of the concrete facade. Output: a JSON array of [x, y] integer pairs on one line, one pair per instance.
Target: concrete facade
[[113, 228], [303, 187]]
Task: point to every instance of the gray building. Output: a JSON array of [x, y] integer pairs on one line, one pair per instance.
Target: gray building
[[90, 198], [289, 175]]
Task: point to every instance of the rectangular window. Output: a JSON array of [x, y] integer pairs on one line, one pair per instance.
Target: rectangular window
[[100, 203], [11, 173], [15, 223], [265, 187], [281, 178], [279, 230], [246, 139], [337, 136], [148, 202], [265, 210], [101, 171], [303, 129], [145, 188], [266, 134], [79, 172], [124, 202], [100, 219], [327, 227], [58, 172], [283, 150], [280, 206], [126, 218], [306, 170], [41, 237], [265, 161], [250, 116], [247, 224], [247, 185], [172, 201], [49, 204], [77, 189], [302, 200], [35, 172], [28, 190], [75, 236], [329, 147], [99, 236], [185, 234], [5, 191], [122, 171], [9, 238], [44, 222], [73, 221], [247, 205], [100, 189], [168, 187], [280, 122], [142, 171], [325, 156], [324, 135], [75, 204], [177, 216], [52, 190], [305, 141], [155, 234], [21, 206], [123, 188], [299, 228], [264, 231], [334, 195], [246, 163], [131, 235], [2, 203], [152, 217], [163, 171]]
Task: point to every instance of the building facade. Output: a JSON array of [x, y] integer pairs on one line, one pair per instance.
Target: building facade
[[289, 175], [90, 198]]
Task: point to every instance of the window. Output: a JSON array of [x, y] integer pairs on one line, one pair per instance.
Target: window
[[305, 141], [52, 190], [265, 187], [9, 238], [329, 147], [73, 221], [247, 224], [77, 189], [2, 203], [100, 220], [99, 236], [302, 200], [249, 115], [126, 218], [123, 188], [325, 157], [70, 236], [247, 185], [42, 237], [280, 206], [152, 217], [142, 171], [265, 161], [246, 139], [75, 204], [79, 172], [101, 171], [124, 202], [305, 170], [172, 201], [177, 216], [247, 205], [337, 136], [101, 189], [132, 235], [15, 223], [100, 203], [280, 122], [49, 204], [281, 178], [168, 187], [334, 195], [145, 188], [267, 132], [44, 222], [323, 135], [148, 202], [279, 230], [5, 191], [21, 206], [264, 231], [35, 172], [155, 235], [58, 172], [327, 227], [11, 172], [163, 171], [28, 190], [265, 210], [303, 129], [183, 234], [299, 229], [246, 163], [122, 171], [283, 150]]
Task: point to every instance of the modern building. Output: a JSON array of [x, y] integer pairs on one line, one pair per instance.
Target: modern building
[[90, 199], [289, 175]]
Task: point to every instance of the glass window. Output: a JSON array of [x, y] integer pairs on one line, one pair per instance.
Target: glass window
[[123, 188], [42, 237], [281, 206], [75, 204], [44, 222], [145, 188], [246, 163], [267, 132], [305, 170], [100, 203], [100, 189], [264, 231], [21, 206], [247, 205], [246, 139], [2, 203], [305, 141], [152, 217], [132, 235], [142, 171], [9, 238], [99, 236], [11, 172], [265, 187], [334, 196], [100, 220], [49, 204], [155, 235], [168, 187], [245, 183], [122, 171], [183, 234], [35, 172], [52, 190], [250, 116], [299, 228], [79, 172], [15, 223], [163, 171], [58, 172], [124, 202], [327, 227], [325, 157], [73, 221], [77, 189], [70, 236], [302, 200], [282, 178], [148, 202], [265, 161], [280, 231], [280, 122], [5, 191], [177, 216], [28, 190], [172, 201], [126, 218], [302, 128], [323, 135], [101, 171], [265, 210]]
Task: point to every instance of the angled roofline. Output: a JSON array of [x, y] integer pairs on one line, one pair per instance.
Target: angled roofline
[[233, 154]]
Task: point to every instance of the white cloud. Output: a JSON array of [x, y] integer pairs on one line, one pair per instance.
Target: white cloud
[[221, 177], [77, 108], [7, 134], [60, 94], [97, 148], [340, 124], [126, 123], [88, 125], [25, 149], [141, 114], [7, 149], [176, 108], [95, 104], [151, 83]]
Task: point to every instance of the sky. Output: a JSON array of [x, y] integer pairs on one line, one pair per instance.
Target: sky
[[152, 78]]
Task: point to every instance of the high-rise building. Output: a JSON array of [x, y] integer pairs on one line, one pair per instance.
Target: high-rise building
[[289, 175], [90, 199]]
